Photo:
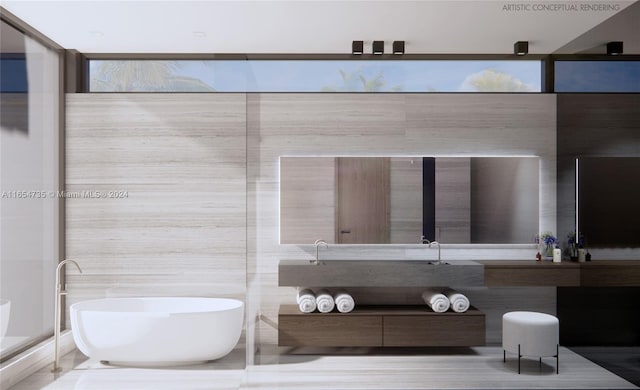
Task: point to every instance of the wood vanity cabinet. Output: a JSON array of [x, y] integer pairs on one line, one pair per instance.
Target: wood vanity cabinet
[[429, 329], [418, 326], [359, 329], [610, 273], [381, 326], [530, 273], [597, 273]]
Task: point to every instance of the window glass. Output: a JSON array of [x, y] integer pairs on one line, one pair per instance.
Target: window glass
[[314, 76], [597, 76]]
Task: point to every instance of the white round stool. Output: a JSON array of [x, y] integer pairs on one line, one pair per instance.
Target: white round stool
[[528, 333]]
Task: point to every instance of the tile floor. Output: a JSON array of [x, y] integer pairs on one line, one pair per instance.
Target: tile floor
[[622, 361], [344, 368]]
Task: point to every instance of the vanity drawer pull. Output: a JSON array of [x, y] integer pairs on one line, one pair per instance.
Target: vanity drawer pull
[[345, 231]]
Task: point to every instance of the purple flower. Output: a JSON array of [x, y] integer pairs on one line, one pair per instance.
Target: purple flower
[[571, 239], [548, 238]]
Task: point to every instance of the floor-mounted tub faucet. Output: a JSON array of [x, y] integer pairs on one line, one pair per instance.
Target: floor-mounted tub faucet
[[318, 243], [60, 291]]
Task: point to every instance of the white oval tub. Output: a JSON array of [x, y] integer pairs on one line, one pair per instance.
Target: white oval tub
[[5, 312], [157, 331]]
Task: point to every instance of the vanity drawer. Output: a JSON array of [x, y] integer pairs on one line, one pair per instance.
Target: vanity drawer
[[530, 273], [435, 330], [610, 273], [329, 330]]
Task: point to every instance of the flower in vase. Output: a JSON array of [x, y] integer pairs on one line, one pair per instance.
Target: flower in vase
[[572, 241], [548, 240]]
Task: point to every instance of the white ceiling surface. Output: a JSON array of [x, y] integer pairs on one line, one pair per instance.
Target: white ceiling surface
[[305, 26]]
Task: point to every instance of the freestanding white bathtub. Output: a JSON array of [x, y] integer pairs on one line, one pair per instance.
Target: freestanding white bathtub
[[5, 313], [157, 331]]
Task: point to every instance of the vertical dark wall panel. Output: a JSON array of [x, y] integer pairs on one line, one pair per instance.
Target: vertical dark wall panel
[[595, 125], [609, 201], [604, 125]]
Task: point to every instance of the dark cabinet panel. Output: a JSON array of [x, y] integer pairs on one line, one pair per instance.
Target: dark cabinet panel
[[530, 273], [436, 329], [376, 326], [329, 330]]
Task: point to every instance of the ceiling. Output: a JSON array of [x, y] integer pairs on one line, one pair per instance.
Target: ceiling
[[316, 26]]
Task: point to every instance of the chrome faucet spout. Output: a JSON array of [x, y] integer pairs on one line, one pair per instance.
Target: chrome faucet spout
[[319, 243], [60, 291], [436, 243]]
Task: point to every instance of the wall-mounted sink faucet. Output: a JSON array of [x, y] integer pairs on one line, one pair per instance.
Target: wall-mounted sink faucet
[[436, 243], [319, 243], [60, 291], [424, 240]]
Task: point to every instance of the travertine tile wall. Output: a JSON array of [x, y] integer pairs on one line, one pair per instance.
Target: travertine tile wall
[[307, 198], [181, 228], [406, 200], [453, 197]]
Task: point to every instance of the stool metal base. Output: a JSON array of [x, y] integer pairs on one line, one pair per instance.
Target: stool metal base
[[557, 356]]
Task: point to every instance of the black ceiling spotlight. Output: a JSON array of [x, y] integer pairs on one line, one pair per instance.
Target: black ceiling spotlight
[[398, 47], [521, 48], [614, 48], [357, 47], [378, 47]]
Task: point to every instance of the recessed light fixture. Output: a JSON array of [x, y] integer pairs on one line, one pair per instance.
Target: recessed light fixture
[[96, 33], [199, 34], [614, 48], [521, 48], [357, 47], [378, 47], [398, 47]]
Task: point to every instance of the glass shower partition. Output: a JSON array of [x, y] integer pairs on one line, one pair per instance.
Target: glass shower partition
[[29, 181]]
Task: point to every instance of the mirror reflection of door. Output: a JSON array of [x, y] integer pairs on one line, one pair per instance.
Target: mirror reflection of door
[[479, 200], [362, 200]]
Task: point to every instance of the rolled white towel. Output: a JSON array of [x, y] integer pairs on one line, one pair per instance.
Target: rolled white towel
[[324, 301], [344, 301], [437, 301], [459, 302], [306, 300]]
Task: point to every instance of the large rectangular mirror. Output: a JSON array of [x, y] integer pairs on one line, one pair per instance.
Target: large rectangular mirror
[[397, 200]]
